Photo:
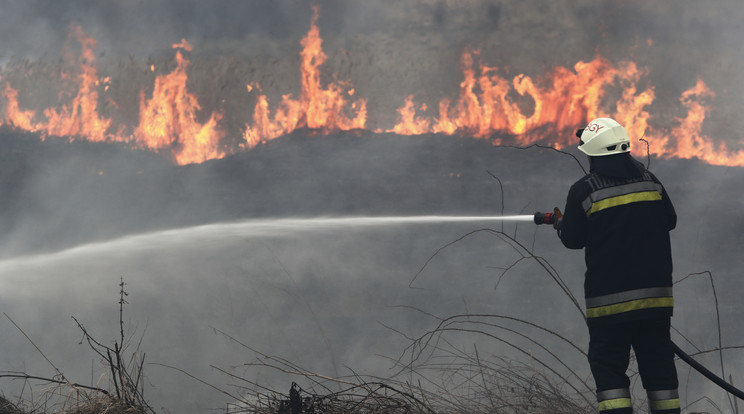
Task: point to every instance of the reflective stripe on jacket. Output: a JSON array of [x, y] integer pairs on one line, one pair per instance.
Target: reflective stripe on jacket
[[629, 300], [621, 194], [623, 224]]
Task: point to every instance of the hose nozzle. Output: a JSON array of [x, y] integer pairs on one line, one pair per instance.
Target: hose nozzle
[[544, 218]]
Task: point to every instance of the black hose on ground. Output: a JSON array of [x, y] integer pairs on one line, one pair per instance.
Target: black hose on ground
[[707, 373]]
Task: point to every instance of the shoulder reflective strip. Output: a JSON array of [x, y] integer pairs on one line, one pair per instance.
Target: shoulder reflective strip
[[663, 395], [661, 405], [622, 200], [628, 296], [613, 394], [619, 190], [630, 306], [607, 405]]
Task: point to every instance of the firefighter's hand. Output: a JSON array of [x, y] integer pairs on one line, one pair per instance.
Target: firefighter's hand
[[557, 218]]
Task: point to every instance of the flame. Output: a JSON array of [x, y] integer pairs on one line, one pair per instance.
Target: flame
[[14, 116], [169, 118], [520, 110], [563, 100], [689, 142], [185, 45], [410, 124], [80, 117], [318, 107]]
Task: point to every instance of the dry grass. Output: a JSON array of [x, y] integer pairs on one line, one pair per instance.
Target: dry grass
[[58, 395], [69, 399]]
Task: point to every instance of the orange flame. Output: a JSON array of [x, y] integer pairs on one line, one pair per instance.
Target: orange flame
[[522, 109], [688, 139], [80, 117], [169, 119], [317, 108], [14, 116], [410, 124], [561, 101], [485, 107]]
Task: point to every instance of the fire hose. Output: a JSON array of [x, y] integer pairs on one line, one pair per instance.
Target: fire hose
[[549, 218], [707, 373]]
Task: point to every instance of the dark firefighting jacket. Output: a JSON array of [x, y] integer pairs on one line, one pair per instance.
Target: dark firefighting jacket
[[623, 222]]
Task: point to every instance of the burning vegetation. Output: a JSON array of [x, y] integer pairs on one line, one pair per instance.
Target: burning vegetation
[[171, 117]]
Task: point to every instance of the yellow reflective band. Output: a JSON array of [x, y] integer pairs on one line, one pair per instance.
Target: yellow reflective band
[[614, 404], [664, 404], [630, 306], [623, 199]]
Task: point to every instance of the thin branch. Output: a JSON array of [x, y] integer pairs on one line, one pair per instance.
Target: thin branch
[[59, 373], [52, 380], [501, 191], [199, 380], [648, 152], [545, 147]]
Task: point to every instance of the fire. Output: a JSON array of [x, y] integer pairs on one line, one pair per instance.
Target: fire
[[14, 116], [169, 118], [410, 124], [318, 107], [518, 110], [688, 139], [81, 117], [78, 118], [561, 101]]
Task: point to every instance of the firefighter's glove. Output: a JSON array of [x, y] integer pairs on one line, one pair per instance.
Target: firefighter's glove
[[557, 218]]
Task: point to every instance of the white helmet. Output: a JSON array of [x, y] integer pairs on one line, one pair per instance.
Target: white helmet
[[603, 136]]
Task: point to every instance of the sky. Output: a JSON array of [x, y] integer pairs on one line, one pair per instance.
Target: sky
[[80, 215]]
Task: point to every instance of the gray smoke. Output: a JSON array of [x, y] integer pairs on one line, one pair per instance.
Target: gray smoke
[[388, 50], [324, 298]]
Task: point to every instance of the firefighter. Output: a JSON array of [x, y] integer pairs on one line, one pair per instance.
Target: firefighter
[[621, 215]]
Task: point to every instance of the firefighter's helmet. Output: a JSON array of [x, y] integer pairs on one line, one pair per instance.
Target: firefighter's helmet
[[603, 136]]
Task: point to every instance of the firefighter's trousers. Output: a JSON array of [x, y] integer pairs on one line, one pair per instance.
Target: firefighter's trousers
[[609, 356]]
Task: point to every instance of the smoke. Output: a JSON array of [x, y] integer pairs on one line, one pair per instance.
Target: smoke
[[389, 50], [380, 52], [326, 297], [322, 298]]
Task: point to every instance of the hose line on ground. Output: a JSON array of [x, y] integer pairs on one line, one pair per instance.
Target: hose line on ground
[[707, 373]]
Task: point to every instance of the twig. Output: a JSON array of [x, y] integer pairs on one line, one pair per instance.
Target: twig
[[648, 152], [501, 191], [72, 384], [718, 314], [37, 348], [521, 249], [122, 293], [545, 147], [199, 380]]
